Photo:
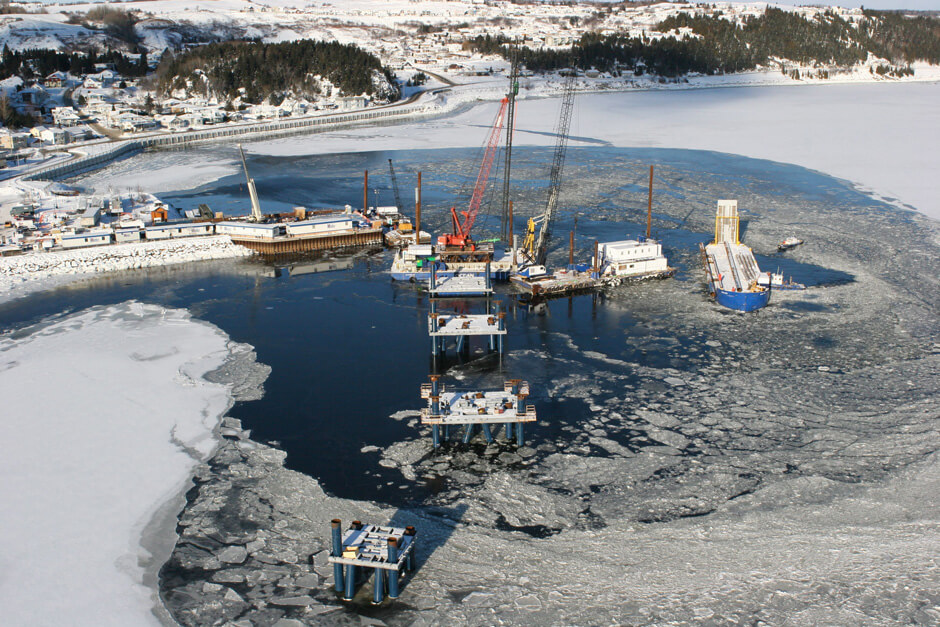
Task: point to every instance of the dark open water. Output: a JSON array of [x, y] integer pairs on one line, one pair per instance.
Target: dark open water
[[349, 348]]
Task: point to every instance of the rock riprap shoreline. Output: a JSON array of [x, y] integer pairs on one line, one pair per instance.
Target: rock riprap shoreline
[[36, 266]]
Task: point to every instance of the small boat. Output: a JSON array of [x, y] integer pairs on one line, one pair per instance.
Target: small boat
[[775, 281], [787, 244]]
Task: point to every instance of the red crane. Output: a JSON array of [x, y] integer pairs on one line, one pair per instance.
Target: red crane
[[461, 235]]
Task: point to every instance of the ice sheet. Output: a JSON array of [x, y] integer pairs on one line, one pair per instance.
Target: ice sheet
[[105, 414]]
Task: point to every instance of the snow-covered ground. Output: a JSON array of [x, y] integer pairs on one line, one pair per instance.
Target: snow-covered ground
[[105, 414], [882, 137], [33, 271]]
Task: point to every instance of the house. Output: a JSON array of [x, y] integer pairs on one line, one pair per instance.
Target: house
[[177, 123], [65, 116], [349, 103], [56, 80], [13, 141], [54, 136], [139, 123], [79, 133]]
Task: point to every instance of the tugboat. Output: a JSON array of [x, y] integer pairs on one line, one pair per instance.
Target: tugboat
[[787, 244], [731, 270]]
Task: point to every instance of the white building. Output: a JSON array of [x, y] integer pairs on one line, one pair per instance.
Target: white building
[[321, 224], [65, 116], [86, 238], [250, 229]]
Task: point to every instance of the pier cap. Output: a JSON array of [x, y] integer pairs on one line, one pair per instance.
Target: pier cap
[[357, 524], [410, 531], [336, 522], [393, 541]]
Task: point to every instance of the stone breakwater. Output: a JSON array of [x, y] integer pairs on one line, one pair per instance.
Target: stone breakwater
[[37, 266]]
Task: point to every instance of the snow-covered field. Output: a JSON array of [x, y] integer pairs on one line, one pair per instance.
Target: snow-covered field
[[105, 415], [882, 137], [32, 271]]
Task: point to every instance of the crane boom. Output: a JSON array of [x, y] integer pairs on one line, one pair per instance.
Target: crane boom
[[398, 204], [540, 250], [256, 214], [461, 234], [510, 127]]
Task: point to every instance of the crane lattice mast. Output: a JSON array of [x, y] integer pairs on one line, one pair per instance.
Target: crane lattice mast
[[510, 126], [398, 203], [461, 235], [558, 163]]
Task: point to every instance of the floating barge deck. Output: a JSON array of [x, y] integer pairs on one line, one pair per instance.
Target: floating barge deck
[[558, 283]]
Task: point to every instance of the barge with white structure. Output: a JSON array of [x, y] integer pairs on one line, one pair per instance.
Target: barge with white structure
[[631, 260], [413, 263], [730, 268]]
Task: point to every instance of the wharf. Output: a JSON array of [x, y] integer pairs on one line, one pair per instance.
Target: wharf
[[316, 241]]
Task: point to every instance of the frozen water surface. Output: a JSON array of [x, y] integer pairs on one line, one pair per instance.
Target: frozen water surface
[[690, 464]]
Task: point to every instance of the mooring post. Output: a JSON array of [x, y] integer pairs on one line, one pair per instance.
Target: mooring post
[[519, 434], [410, 560], [350, 582], [489, 284], [468, 433], [393, 574], [336, 524], [379, 580], [487, 433], [501, 319], [435, 410], [433, 277], [434, 328]]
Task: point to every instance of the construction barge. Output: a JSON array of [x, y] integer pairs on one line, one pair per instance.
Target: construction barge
[[733, 277], [613, 263], [331, 231]]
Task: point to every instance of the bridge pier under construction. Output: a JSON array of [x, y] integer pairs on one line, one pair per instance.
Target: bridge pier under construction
[[488, 410]]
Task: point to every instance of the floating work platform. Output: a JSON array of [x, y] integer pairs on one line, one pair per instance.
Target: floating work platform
[[461, 327], [568, 281], [470, 409], [388, 551]]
